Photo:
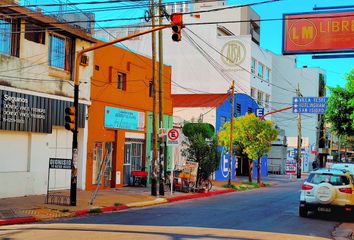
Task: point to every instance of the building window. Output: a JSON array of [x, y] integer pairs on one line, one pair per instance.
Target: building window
[[222, 120], [151, 89], [34, 33], [267, 73], [249, 110], [260, 70], [253, 93], [260, 98], [121, 81], [5, 37], [59, 49], [10, 37], [253, 65], [267, 97]]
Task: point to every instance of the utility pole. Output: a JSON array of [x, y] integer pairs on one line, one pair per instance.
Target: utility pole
[[162, 137], [154, 117], [299, 141], [231, 129]]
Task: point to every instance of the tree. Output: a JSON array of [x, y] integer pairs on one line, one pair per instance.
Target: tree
[[201, 147], [340, 108], [255, 137]]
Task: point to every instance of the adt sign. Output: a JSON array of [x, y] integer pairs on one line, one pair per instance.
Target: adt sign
[[315, 105]]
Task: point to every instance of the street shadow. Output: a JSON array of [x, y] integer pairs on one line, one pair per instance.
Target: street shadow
[[146, 234]]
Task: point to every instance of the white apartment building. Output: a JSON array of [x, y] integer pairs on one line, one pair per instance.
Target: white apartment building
[[210, 56], [36, 85], [311, 82]]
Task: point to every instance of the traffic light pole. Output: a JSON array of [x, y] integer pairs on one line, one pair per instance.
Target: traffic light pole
[[73, 184]]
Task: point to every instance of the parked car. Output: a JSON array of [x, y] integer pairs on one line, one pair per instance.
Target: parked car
[[327, 191], [346, 166]]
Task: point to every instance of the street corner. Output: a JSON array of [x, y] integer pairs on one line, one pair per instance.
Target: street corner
[[344, 231]]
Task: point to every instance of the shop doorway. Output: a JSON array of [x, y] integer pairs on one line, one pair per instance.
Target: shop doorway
[[102, 163], [133, 160]]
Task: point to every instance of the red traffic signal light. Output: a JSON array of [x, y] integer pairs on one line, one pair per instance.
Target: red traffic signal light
[[176, 25], [70, 118]]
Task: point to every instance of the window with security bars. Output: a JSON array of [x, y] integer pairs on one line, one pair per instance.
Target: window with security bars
[[249, 110], [10, 37], [59, 52], [238, 109]]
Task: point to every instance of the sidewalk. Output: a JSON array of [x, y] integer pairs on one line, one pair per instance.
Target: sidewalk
[[344, 231], [33, 208]]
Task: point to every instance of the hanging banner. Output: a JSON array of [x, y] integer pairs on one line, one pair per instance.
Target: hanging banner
[[318, 32]]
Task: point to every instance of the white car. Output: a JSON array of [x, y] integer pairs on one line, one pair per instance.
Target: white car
[[328, 191], [345, 166]]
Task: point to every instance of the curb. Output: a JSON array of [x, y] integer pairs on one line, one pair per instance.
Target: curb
[[199, 195], [157, 201], [12, 221]]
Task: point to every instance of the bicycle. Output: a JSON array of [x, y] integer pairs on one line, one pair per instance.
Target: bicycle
[[204, 184]]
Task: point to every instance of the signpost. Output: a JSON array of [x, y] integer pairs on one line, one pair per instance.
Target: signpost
[[316, 105], [259, 112], [173, 137]]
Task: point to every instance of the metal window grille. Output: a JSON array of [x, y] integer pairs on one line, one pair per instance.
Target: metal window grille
[[5, 37], [57, 52]]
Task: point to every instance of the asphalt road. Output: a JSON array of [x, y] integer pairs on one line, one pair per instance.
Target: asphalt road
[[267, 213]]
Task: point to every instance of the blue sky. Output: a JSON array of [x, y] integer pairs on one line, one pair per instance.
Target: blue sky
[[271, 32]]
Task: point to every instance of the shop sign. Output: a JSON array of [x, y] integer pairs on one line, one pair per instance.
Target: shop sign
[[290, 167], [23, 112], [318, 32], [59, 163], [124, 119], [233, 53]]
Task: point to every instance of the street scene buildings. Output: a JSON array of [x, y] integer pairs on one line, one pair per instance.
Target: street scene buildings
[[189, 100]]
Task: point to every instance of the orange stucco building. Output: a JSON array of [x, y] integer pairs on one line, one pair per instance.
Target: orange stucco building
[[120, 115]]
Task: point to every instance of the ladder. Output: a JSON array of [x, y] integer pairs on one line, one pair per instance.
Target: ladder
[[104, 166]]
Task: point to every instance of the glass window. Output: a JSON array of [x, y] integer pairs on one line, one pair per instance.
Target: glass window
[[253, 93], [260, 70], [253, 65], [5, 37], [250, 110], [267, 73], [260, 97], [267, 97], [335, 180], [57, 52], [238, 109]]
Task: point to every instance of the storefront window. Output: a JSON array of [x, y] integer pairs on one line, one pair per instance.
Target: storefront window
[[97, 159]]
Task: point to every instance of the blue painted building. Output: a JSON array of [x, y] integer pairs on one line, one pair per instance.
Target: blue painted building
[[216, 110], [243, 104]]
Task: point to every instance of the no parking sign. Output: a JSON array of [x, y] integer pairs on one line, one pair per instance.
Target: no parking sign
[[173, 136]]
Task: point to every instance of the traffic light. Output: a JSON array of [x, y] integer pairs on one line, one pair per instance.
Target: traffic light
[[70, 118], [176, 25]]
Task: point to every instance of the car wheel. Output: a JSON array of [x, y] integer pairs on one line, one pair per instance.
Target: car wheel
[[303, 211]]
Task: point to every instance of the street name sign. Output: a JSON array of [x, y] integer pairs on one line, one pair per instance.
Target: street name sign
[[59, 163], [316, 105], [173, 137]]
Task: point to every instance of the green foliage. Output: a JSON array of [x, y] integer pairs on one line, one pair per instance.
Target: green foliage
[[206, 129], [251, 134], [204, 151], [95, 210], [340, 108], [65, 210]]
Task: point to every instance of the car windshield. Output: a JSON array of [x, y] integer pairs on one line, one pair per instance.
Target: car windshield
[[335, 180]]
